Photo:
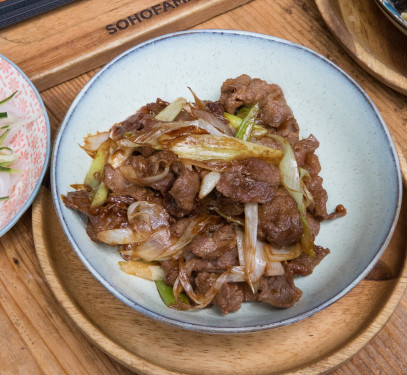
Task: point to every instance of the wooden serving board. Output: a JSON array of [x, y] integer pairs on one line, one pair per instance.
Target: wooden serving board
[[311, 346], [370, 38], [86, 34]]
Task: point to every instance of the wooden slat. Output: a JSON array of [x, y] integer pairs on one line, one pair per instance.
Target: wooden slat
[[83, 35]]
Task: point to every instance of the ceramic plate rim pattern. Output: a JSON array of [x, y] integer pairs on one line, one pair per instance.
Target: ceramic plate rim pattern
[[36, 189]]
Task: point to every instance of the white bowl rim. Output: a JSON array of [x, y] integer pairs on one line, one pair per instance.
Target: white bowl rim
[[201, 327], [36, 189]]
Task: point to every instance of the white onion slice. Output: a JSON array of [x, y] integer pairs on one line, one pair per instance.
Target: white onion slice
[[161, 245], [274, 269], [93, 142], [120, 236], [208, 183], [280, 255], [144, 270], [170, 112], [141, 214], [253, 254]]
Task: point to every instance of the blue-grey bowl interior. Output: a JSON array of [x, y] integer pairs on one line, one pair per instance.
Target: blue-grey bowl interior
[[359, 162], [34, 193]]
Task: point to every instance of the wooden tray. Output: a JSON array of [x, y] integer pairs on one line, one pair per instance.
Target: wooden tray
[[86, 34], [311, 346], [370, 39]]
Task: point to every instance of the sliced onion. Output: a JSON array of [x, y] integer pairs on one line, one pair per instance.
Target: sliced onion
[[121, 236], [198, 102], [213, 120], [235, 274], [93, 142], [129, 173], [210, 147], [143, 214], [162, 245], [253, 254], [274, 269], [239, 243], [290, 177], [144, 270], [208, 183], [170, 112], [280, 255], [150, 134], [119, 156], [210, 128]]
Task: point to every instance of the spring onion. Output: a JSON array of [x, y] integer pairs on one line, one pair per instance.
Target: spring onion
[[235, 121], [290, 177], [245, 128], [167, 294], [209, 147]]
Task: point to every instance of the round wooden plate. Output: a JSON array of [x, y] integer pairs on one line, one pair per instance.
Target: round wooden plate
[[370, 38], [311, 346]]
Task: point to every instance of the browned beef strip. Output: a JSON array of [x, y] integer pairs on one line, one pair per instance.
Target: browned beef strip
[[204, 281], [318, 208], [280, 220], [229, 298], [165, 184], [313, 224], [110, 216], [115, 181], [226, 260], [185, 189], [304, 264], [78, 200], [178, 228], [227, 205], [170, 268], [142, 118], [304, 154], [279, 291], [274, 111], [212, 245], [173, 209], [250, 181], [216, 108], [248, 295], [120, 199]]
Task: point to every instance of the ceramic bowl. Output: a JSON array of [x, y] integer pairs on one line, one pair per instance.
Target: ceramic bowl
[[359, 162], [31, 143], [391, 12]]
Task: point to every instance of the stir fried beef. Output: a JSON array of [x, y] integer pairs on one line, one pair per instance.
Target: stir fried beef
[[279, 291], [250, 181], [275, 113], [117, 183], [229, 298], [188, 214], [185, 188], [304, 264], [280, 221]]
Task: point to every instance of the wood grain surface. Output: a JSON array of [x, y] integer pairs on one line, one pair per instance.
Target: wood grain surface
[[371, 39], [83, 35], [311, 346], [38, 335]]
